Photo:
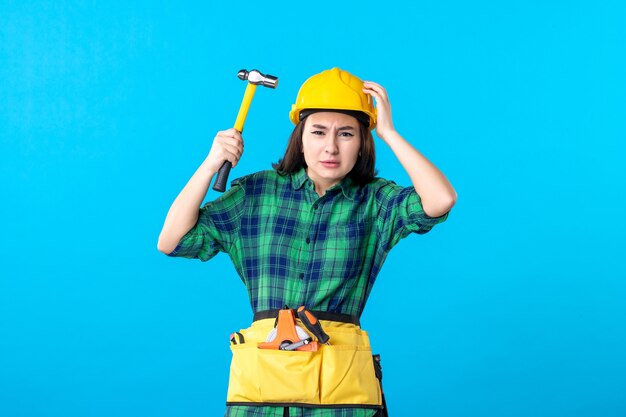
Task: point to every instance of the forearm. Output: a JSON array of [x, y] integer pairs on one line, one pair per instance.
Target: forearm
[[183, 214], [435, 191], [431, 185]]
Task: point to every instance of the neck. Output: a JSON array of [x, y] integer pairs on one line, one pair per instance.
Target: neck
[[320, 190]]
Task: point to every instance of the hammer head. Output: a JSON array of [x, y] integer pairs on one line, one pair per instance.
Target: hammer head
[[258, 78]]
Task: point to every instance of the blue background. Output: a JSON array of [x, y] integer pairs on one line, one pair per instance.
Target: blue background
[[516, 306]]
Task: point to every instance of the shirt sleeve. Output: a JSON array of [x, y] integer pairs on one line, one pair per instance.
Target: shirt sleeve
[[217, 226], [401, 214]]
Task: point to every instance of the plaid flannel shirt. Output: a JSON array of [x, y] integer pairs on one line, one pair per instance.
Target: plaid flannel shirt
[[292, 247]]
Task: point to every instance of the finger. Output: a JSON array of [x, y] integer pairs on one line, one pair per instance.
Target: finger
[[222, 147], [229, 136], [233, 158], [233, 145], [225, 154], [375, 86], [372, 84], [235, 150], [373, 90], [232, 132], [226, 140], [229, 133], [377, 96], [229, 140]]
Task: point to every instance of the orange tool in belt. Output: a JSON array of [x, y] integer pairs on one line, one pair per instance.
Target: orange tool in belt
[[312, 324], [287, 336]]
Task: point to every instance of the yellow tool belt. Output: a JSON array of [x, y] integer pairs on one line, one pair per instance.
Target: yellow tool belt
[[337, 375]]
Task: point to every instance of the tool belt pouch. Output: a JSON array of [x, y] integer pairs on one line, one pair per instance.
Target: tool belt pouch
[[341, 374]]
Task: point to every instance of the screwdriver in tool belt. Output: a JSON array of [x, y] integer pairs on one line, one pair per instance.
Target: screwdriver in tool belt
[[312, 324]]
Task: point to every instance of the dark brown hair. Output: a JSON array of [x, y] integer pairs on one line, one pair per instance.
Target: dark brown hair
[[363, 171]]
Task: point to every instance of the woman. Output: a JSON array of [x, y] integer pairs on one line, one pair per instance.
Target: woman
[[312, 232]]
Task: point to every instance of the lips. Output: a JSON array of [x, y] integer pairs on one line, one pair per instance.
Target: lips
[[330, 164]]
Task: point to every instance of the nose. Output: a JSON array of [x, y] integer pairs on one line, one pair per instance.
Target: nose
[[331, 145]]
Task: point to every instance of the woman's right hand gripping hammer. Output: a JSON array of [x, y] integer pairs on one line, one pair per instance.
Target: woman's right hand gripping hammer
[[227, 146]]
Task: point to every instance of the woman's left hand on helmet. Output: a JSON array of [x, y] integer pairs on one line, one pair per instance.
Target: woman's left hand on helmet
[[384, 124]]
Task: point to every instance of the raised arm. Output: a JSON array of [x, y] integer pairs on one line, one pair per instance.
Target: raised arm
[[435, 191], [183, 214]]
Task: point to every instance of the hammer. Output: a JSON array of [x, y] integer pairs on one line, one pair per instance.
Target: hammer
[[254, 78]]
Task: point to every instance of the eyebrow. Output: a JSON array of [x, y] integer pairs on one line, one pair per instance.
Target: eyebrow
[[341, 128]]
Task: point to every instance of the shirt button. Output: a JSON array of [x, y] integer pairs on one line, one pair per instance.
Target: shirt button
[[315, 206], [308, 240], [301, 275]]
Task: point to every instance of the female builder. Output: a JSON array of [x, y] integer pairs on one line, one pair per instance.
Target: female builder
[[313, 232]]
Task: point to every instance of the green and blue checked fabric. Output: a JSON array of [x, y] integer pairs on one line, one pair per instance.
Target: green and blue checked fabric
[[240, 411], [292, 247]]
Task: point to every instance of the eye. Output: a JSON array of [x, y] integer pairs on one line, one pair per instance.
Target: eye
[[346, 134], [317, 132]]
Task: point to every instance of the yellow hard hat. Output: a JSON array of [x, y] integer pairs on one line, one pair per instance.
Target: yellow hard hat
[[333, 89]]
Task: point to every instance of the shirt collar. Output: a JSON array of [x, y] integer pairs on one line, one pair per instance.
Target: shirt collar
[[299, 178], [348, 188]]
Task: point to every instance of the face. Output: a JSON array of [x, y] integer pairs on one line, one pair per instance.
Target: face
[[331, 143]]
